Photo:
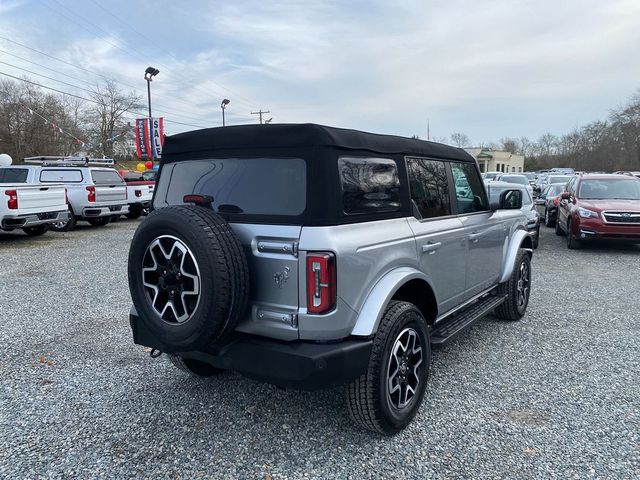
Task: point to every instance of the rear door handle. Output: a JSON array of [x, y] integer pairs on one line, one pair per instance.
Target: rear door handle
[[431, 247], [474, 237]]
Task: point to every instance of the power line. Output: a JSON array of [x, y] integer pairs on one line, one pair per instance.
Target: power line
[[90, 100], [87, 71], [241, 99]]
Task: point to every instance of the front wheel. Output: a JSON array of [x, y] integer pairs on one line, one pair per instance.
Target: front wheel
[[36, 230], [134, 212], [99, 221], [517, 289], [572, 242], [388, 395]]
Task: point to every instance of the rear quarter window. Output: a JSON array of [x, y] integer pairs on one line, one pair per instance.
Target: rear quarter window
[[369, 184], [105, 177], [61, 176], [13, 175]]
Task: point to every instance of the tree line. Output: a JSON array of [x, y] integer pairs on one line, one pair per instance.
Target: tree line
[[35, 122]]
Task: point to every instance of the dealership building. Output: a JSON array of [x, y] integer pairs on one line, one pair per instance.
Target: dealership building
[[497, 160]]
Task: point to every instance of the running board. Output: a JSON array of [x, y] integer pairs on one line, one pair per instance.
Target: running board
[[449, 328]]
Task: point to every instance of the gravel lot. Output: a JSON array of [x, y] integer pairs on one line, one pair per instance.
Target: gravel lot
[[556, 395]]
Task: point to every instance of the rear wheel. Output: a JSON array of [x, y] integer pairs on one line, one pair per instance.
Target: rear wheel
[[388, 395], [559, 231], [194, 367], [65, 226], [517, 289], [99, 221], [134, 211], [36, 230]]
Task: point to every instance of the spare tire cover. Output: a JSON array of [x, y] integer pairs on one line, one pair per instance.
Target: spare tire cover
[[188, 277]]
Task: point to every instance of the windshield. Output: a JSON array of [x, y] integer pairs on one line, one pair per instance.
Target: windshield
[[520, 179], [623, 189], [247, 186], [489, 176], [559, 178]]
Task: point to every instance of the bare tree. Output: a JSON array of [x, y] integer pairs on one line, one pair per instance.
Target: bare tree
[[509, 145], [460, 139], [107, 116]]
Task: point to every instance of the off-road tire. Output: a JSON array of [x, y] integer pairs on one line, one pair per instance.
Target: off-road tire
[[511, 308], [193, 367], [68, 226], [572, 242], [36, 230], [367, 399], [99, 221], [224, 277]]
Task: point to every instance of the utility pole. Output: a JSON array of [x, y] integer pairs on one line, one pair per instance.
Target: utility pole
[[260, 112], [428, 132]]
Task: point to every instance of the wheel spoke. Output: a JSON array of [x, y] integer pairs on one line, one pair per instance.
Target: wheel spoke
[[403, 376]]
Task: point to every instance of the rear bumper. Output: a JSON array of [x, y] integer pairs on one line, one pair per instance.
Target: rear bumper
[[34, 219], [104, 211], [301, 365]]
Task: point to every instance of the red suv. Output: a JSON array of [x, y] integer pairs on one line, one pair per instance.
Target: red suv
[[600, 207]]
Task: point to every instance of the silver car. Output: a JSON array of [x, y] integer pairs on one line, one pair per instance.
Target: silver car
[[308, 256]]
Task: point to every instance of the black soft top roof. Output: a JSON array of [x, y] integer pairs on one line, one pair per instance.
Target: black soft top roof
[[199, 143]]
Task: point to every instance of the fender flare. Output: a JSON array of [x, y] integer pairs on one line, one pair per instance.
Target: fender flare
[[378, 298], [510, 258]]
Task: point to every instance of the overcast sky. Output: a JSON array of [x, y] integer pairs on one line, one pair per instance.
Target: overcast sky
[[489, 69]]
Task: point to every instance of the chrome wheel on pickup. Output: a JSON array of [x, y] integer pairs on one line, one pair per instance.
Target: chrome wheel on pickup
[[171, 279], [65, 225]]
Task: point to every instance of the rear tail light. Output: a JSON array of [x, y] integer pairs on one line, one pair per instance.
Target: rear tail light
[[91, 196], [321, 282], [138, 193], [12, 203]]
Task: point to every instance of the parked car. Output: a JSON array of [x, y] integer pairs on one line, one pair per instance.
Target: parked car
[[600, 207], [488, 176], [309, 256], [515, 178], [549, 179], [547, 203], [139, 193], [496, 188], [531, 176], [563, 170], [95, 193], [28, 206]]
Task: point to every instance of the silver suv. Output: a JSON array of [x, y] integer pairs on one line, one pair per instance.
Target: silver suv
[[309, 257]]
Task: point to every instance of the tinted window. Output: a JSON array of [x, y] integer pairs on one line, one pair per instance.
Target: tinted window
[[429, 187], [369, 184], [13, 175], [61, 175], [254, 186], [105, 177], [470, 195]]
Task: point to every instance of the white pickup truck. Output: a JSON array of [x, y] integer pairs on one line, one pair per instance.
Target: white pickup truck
[[32, 208], [139, 193], [95, 194]]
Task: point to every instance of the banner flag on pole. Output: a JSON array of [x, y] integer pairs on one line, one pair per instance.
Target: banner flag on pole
[[157, 136], [143, 141]]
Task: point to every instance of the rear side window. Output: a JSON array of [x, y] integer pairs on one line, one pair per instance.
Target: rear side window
[[106, 177], [470, 195], [429, 187], [252, 186], [61, 175], [369, 184], [13, 175]]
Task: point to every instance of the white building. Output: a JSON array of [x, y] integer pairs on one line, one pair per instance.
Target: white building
[[497, 160]]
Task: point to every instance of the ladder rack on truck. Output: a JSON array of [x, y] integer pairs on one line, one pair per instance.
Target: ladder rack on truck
[[61, 161]]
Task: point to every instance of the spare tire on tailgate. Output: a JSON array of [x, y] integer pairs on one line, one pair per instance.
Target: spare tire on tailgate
[[188, 277]]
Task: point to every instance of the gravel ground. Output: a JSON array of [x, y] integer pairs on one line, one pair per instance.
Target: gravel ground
[[556, 395]]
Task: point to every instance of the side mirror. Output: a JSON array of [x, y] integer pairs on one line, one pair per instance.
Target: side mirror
[[565, 196], [511, 200]]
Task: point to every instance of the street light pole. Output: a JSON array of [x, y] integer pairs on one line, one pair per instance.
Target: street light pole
[[223, 105], [149, 73]]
